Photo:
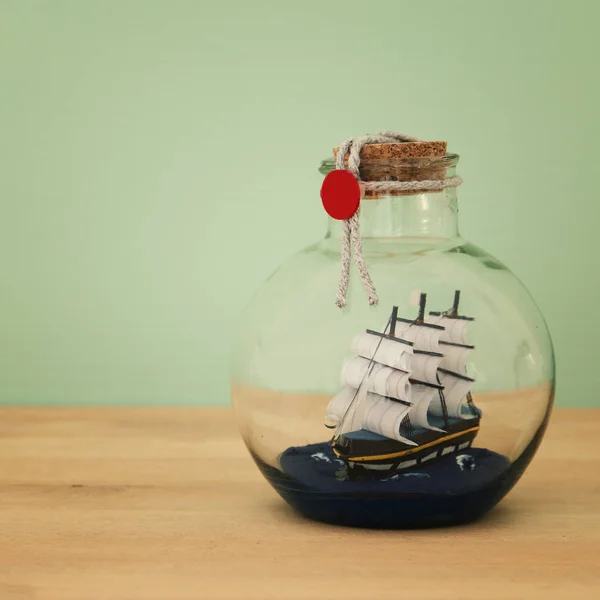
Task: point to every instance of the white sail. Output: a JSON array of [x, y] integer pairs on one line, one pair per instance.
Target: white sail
[[424, 338], [357, 409], [369, 409], [424, 367], [421, 396], [339, 404], [390, 353], [455, 391], [455, 330], [382, 380], [384, 417], [455, 359]]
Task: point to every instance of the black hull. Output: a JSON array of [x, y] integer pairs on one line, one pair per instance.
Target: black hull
[[382, 457]]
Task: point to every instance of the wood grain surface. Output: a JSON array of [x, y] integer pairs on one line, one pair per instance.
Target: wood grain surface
[[165, 503]]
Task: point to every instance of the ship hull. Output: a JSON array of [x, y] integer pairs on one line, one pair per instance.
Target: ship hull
[[386, 456]]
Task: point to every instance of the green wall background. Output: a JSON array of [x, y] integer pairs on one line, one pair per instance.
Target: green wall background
[[159, 159]]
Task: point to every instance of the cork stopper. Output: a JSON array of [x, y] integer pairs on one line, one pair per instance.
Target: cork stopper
[[401, 161], [400, 150]]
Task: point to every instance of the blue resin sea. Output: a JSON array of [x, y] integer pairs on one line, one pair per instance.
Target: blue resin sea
[[456, 488]]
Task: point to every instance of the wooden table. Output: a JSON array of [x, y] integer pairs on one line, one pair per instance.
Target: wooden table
[[157, 503]]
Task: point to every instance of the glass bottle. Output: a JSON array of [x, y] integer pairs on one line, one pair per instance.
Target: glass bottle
[[294, 342]]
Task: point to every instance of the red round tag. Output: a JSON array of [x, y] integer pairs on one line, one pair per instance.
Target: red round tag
[[340, 194]]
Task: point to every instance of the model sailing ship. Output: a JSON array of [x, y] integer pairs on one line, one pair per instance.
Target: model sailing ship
[[406, 398]]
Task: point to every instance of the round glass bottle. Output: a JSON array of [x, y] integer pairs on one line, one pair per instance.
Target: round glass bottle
[[436, 398]]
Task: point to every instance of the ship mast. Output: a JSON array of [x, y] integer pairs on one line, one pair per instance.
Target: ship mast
[[452, 313], [420, 348], [421, 321]]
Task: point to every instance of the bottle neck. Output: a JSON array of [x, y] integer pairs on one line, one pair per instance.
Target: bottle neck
[[431, 215]]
